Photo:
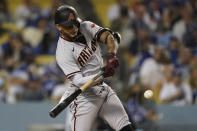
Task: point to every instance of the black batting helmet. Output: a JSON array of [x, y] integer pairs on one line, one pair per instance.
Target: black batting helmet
[[67, 16]]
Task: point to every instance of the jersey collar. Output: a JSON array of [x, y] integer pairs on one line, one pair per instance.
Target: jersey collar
[[79, 38]]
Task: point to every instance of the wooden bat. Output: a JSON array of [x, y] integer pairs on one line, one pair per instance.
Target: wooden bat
[[61, 106]]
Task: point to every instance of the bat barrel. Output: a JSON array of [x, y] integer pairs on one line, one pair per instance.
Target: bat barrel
[[57, 109], [52, 114], [61, 106]]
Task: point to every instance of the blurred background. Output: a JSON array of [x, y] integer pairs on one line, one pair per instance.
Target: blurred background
[[156, 80]]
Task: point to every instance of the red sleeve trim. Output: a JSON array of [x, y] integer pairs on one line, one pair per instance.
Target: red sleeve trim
[[69, 75]]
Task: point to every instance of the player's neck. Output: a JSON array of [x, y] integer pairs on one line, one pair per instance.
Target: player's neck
[[79, 38], [66, 37]]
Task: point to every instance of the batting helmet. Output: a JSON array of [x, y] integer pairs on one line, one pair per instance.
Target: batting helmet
[[67, 16]]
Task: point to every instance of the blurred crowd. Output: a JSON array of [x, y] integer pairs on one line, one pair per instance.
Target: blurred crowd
[[159, 46], [31, 34], [158, 54]]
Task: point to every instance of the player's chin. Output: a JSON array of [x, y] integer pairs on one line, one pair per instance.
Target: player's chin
[[73, 35]]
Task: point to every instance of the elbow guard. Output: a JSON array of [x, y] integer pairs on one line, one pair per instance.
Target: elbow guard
[[116, 35]]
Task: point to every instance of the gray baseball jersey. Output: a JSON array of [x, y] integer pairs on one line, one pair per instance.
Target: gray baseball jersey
[[100, 100]]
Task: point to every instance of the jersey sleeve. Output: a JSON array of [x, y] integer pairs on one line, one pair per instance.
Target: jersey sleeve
[[67, 63], [92, 28]]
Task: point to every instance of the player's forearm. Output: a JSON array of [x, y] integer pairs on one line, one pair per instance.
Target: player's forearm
[[79, 80], [110, 41], [112, 44]]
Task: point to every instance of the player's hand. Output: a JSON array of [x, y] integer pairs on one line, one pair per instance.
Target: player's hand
[[112, 60], [108, 71]]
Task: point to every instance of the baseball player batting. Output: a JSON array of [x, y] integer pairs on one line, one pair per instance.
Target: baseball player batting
[[79, 55]]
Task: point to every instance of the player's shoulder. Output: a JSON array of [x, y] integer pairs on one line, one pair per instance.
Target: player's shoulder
[[87, 24], [64, 50], [64, 45]]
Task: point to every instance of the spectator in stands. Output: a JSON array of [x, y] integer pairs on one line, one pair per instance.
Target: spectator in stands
[[174, 11], [181, 26], [44, 38], [26, 13], [163, 36], [51, 30], [166, 81], [38, 32], [142, 35], [176, 92], [51, 76], [153, 12], [173, 48], [33, 89], [15, 50], [122, 25], [146, 52], [190, 36], [49, 12], [4, 12], [164, 4], [142, 16], [151, 71], [163, 33], [47, 45], [139, 12], [194, 7], [114, 11], [15, 80], [183, 62]]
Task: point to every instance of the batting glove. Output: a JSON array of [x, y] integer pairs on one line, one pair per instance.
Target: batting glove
[[112, 60], [108, 71]]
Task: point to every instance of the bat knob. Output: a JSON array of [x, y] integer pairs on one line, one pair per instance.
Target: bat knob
[[52, 114]]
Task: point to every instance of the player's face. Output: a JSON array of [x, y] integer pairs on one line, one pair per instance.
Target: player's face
[[70, 30]]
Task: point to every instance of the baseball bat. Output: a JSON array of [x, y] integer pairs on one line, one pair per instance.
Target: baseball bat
[[62, 105]]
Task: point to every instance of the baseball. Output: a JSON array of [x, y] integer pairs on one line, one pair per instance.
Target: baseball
[[148, 94]]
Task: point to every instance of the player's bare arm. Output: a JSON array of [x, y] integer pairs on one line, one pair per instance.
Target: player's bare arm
[[108, 38], [111, 39]]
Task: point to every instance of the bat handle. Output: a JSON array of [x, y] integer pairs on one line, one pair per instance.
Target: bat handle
[[86, 85], [101, 73]]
